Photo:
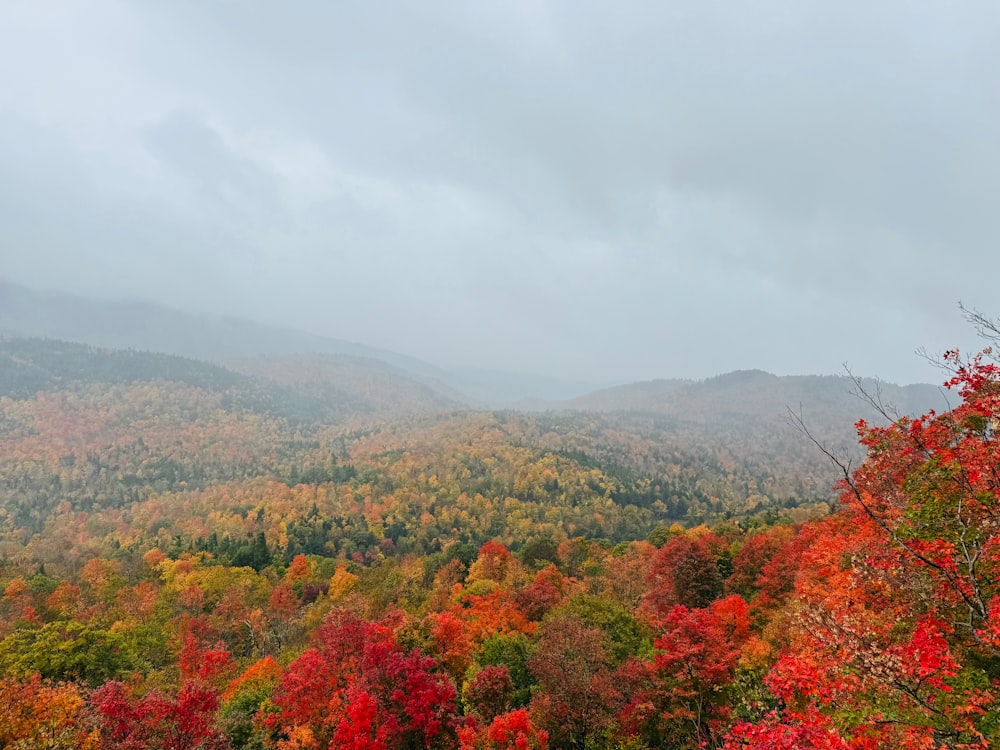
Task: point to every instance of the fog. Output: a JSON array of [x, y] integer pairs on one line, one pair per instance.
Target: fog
[[592, 191]]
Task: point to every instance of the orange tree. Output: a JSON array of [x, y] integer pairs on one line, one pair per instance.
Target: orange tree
[[895, 637]]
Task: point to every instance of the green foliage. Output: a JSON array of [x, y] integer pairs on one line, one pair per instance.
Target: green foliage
[[255, 555], [68, 650], [511, 651], [539, 552], [625, 634], [237, 717]]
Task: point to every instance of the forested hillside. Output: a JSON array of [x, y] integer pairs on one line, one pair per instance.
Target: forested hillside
[[499, 375], [103, 432], [301, 555]]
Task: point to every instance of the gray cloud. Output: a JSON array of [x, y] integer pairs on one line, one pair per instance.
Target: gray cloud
[[609, 191]]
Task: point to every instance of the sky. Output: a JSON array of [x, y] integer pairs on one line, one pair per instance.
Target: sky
[[598, 191]]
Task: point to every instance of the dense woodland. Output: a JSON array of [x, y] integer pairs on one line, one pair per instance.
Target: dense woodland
[[196, 556]]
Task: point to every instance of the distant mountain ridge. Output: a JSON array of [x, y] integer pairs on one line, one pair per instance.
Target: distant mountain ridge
[[150, 327], [369, 380], [629, 397], [281, 353], [32, 366], [827, 400]]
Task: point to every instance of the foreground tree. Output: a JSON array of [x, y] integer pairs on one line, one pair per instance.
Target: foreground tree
[[512, 731], [357, 688], [184, 721], [37, 714], [679, 698], [896, 637], [578, 696]]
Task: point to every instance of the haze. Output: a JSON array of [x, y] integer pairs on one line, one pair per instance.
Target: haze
[[600, 191]]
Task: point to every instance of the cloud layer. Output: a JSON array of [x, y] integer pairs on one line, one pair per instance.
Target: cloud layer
[[603, 191]]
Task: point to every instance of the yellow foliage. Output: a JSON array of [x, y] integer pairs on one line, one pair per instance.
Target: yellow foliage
[[341, 583]]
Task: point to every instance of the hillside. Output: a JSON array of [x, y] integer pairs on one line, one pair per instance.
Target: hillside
[[26, 313], [754, 412], [758, 394], [684, 452], [183, 546], [644, 396], [353, 388], [150, 327], [104, 431], [374, 385]]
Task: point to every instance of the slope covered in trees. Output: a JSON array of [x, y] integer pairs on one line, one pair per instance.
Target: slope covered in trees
[[107, 433], [374, 385], [188, 562]]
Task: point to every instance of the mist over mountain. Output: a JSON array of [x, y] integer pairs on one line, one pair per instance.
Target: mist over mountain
[[601, 194], [477, 375], [146, 326], [759, 394], [740, 419], [291, 356], [743, 419], [735, 433], [329, 389]]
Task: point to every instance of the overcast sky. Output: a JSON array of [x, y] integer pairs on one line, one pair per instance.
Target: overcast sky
[[611, 191]]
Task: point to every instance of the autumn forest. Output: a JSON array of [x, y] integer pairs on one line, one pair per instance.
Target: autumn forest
[[314, 552], [533, 375]]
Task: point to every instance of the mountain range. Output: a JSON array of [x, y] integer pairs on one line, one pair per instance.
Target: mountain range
[[142, 325], [374, 380]]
